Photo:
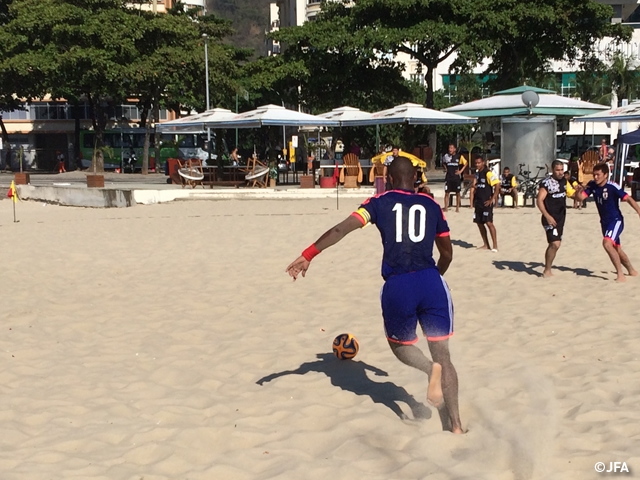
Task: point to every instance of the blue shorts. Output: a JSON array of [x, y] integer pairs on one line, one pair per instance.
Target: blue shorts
[[410, 298], [612, 230]]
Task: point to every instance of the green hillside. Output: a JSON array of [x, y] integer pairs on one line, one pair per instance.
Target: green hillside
[[250, 20]]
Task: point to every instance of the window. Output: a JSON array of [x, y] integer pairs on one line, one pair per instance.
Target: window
[[16, 115]]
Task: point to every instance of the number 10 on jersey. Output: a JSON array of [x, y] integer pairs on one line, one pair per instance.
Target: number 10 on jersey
[[417, 215]]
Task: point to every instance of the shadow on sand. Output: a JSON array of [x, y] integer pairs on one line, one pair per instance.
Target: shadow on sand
[[528, 268], [351, 376], [461, 243]]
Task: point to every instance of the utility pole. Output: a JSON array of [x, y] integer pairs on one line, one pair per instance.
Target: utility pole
[[206, 75]]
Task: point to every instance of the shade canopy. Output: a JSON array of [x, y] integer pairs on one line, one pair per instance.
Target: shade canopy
[[196, 122], [509, 102], [631, 138], [621, 114], [272, 115], [411, 114], [346, 114]]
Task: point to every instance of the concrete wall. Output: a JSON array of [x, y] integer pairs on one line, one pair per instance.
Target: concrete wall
[[78, 197]]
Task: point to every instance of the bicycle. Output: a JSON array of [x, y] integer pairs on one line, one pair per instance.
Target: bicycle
[[528, 185]]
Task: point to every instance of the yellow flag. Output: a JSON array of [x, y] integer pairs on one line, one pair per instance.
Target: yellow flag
[[12, 193]]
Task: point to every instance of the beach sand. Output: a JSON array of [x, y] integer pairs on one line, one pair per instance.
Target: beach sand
[[166, 342]]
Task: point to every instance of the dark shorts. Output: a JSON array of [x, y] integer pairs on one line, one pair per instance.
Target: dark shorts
[[452, 185], [483, 214], [613, 230], [418, 297], [554, 234]]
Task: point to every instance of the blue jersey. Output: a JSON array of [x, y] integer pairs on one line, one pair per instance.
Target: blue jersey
[[409, 224], [607, 199]]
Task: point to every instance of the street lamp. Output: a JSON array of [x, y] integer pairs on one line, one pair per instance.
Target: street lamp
[[206, 75]]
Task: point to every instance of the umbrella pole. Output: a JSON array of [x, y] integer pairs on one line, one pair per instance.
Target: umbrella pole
[[377, 139]]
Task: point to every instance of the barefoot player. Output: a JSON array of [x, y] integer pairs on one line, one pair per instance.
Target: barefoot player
[[607, 196], [552, 203], [414, 290], [486, 187]]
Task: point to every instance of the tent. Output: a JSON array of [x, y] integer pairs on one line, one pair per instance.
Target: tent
[[626, 113], [196, 122], [271, 115], [346, 114], [509, 103], [411, 114]]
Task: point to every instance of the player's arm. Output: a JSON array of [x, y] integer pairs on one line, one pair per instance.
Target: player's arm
[[542, 194], [633, 203], [464, 166], [445, 249], [495, 183], [329, 238]]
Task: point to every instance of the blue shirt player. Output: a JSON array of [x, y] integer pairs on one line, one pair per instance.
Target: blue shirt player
[[607, 196], [414, 291]]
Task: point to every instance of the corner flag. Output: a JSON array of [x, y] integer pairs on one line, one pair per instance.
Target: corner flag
[[12, 192]]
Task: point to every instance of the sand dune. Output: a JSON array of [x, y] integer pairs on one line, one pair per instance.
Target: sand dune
[[166, 342]]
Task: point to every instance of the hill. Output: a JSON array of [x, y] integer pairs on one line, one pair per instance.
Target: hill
[[250, 20]]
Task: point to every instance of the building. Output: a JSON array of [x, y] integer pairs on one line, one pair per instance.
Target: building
[[47, 126]]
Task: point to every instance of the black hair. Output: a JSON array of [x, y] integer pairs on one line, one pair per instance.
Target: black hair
[[401, 169]]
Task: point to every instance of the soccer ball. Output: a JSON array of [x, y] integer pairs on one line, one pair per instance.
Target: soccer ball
[[345, 346]]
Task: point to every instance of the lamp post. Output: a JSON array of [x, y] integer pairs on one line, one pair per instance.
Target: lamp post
[[206, 75]]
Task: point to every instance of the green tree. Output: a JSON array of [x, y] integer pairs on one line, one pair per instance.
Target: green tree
[[622, 75], [524, 37]]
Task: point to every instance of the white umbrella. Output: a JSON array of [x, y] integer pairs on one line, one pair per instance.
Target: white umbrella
[[272, 115], [196, 122], [346, 114], [620, 114], [411, 114]]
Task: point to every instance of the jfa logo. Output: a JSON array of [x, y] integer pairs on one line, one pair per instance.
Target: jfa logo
[[614, 467]]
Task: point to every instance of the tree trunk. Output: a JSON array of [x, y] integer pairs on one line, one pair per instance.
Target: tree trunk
[[99, 123], [157, 136], [145, 151], [5, 141], [428, 78]]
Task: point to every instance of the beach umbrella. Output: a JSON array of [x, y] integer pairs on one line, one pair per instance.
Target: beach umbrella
[[271, 115], [417, 162], [410, 114], [196, 122]]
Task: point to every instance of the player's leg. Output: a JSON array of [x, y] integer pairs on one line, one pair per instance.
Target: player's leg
[[514, 195], [626, 263], [440, 353], [614, 256], [549, 256], [494, 235], [446, 196], [458, 199], [400, 297], [611, 244]]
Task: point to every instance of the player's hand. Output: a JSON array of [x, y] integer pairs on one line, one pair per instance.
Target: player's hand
[[457, 172], [299, 266], [551, 221], [488, 203]]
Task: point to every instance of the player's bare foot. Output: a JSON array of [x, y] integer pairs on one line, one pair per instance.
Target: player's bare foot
[[547, 274], [621, 278], [458, 431], [434, 391], [483, 247], [457, 210], [633, 273]]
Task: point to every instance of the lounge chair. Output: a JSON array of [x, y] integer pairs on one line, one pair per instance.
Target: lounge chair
[[351, 171]]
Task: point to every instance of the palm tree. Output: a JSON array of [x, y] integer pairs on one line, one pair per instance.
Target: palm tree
[[623, 76]]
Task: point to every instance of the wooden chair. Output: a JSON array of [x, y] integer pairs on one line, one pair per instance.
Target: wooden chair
[[191, 172], [588, 160], [256, 173], [377, 170], [351, 172]]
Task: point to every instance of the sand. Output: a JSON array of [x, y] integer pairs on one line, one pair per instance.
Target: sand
[[166, 342]]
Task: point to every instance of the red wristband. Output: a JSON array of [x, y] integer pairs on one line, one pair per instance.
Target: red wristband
[[310, 252]]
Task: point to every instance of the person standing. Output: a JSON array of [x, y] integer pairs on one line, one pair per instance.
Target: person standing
[[486, 186], [60, 160], [414, 291], [454, 165], [552, 203], [607, 196]]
